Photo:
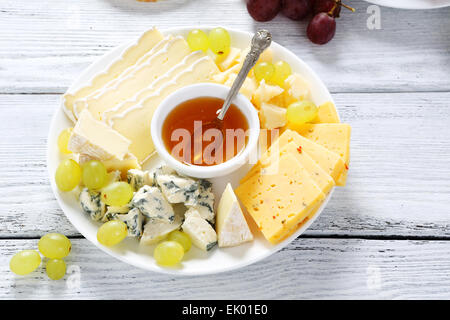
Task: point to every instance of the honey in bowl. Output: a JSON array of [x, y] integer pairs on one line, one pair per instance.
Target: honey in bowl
[[188, 140]]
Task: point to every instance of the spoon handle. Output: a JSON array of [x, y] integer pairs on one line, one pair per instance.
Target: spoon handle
[[260, 41]]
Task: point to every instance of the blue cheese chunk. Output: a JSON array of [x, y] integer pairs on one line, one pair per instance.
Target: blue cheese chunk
[[201, 232], [152, 203], [113, 211], [138, 178], [91, 204], [157, 230], [114, 176], [176, 188], [205, 201], [134, 221]]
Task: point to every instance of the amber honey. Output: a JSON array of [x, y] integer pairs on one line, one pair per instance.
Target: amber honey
[[188, 139]]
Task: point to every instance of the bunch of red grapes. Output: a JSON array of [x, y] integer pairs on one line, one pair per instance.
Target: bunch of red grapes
[[322, 26]]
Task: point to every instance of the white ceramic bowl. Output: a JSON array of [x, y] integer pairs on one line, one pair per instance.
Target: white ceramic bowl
[[196, 262], [197, 91]]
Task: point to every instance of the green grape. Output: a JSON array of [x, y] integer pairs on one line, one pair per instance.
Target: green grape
[[219, 41], [112, 232], [117, 194], [282, 71], [68, 175], [24, 262], [55, 268], [54, 246], [168, 253], [264, 70], [94, 175], [301, 112], [63, 140], [198, 40], [182, 238]]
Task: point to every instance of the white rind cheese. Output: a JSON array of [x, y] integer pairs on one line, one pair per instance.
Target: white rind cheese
[[95, 139], [199, 230], [152, 203], [129, 57], [91, 204], [231, 226]]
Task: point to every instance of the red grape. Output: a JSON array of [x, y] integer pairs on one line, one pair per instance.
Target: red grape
[[321, 28], [327, 6], [263, 10], [296, 9]]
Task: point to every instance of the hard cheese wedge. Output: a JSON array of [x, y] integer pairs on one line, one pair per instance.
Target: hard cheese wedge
[[279, 203], [327, 114], [169, 55], [231, 227], [95, 139], [127, 59], [333, 136], [329, 161], [134, 123], [323, 180]]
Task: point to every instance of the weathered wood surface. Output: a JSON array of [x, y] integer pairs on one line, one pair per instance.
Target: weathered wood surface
[[308, 268], [44, 45], [399, 183]]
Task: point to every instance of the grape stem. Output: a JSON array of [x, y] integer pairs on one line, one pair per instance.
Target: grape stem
[[336, 5]]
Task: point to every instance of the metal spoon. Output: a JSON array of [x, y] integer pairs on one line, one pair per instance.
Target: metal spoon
[[260, 41]]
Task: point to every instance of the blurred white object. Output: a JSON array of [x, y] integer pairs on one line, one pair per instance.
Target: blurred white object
[[412, 4]]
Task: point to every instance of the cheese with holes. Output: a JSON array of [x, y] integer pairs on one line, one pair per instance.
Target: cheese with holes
[[272, 116], [95, 139], [134, 123], [278, 203], [323, 180], [231, 227], [128, 58], [329, 161], [327, 114], [159, 63], [333, 136]]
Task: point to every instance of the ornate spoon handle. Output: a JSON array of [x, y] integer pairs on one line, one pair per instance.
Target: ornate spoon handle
[[261, 40]]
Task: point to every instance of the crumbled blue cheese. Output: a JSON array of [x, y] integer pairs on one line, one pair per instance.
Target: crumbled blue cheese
[[114, 176], [134, 221], [157, 230], [152, 203], [113, 211], [205, 201], [199, 230], [138, 178], [91, 204], [176, 188]]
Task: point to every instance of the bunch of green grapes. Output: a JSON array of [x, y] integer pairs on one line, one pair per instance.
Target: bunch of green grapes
[[54, 246], [276, 73], [170, 252], [218, 40]]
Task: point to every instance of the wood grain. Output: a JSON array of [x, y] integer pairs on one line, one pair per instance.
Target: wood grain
[[44, 46], [307, 269], [399, 181]]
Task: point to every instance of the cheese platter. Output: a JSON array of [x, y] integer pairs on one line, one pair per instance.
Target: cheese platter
[[109, 175]]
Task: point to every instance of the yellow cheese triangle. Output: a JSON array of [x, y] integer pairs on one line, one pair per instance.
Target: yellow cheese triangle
[[327, 114], [333, 136], [280, 202], [323, 180]]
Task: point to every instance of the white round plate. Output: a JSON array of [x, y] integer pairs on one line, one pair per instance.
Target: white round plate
[[195, 262], [412, 4]]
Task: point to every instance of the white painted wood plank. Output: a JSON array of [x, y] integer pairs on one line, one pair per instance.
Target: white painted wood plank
[[399, 182], [44, 45], [307, 269]]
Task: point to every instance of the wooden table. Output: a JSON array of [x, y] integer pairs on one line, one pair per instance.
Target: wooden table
[[385, 236]]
